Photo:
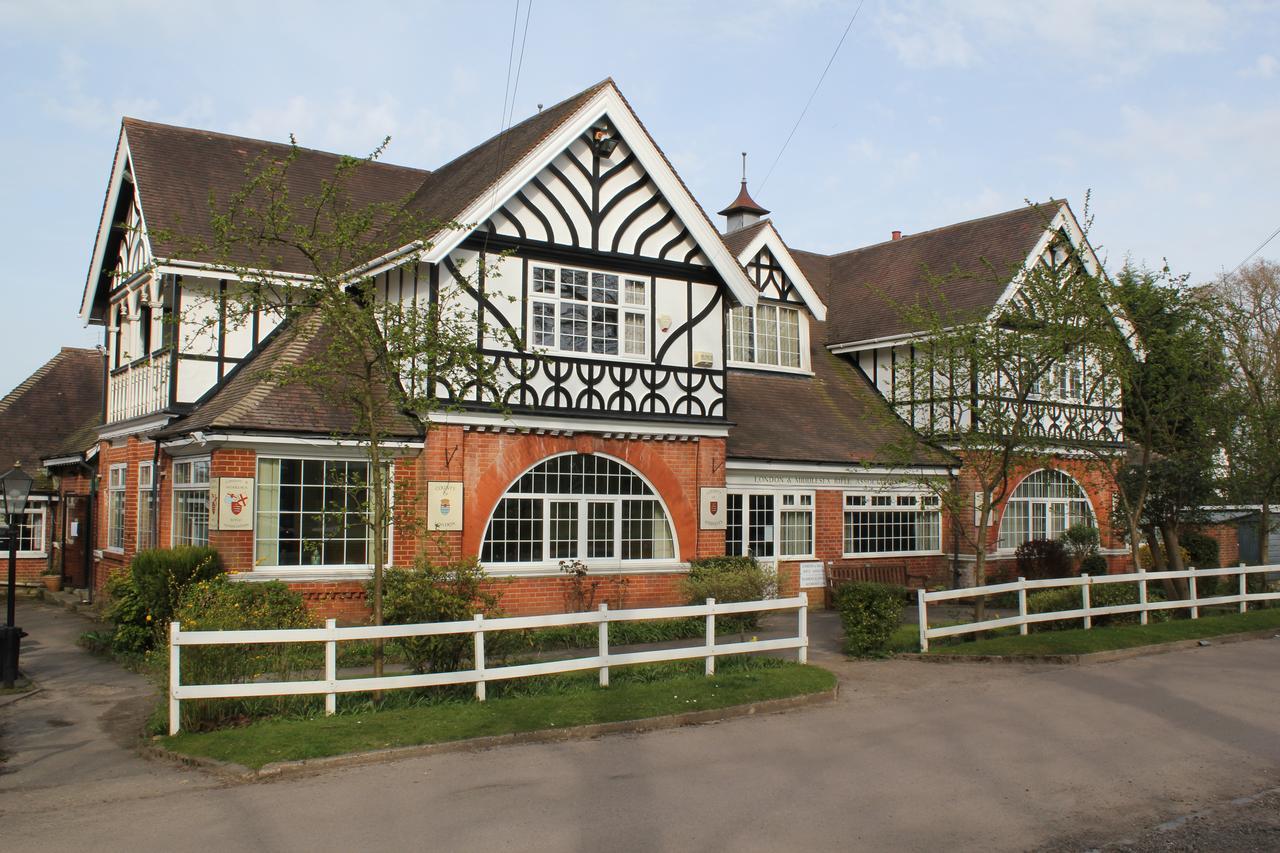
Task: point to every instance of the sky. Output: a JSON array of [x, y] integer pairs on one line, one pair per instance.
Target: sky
[[1165, 112]]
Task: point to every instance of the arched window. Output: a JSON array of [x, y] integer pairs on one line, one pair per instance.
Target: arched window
[[1044, 505], [578, 507]]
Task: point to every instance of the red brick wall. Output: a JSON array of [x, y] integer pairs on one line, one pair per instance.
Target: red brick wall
[[1228, 539], [235, 546]]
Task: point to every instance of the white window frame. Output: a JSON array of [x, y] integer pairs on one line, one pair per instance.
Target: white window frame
[[616, 563], [803, 501], [556, 301], [146, 473], [178, 488], [889, 502], [751, 357], [305, 568], [36, 510], [117, 482], [1091, 517]]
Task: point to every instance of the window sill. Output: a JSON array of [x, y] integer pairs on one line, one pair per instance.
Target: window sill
[[551, 570], [300, 574], [769, 368], [878, 555]]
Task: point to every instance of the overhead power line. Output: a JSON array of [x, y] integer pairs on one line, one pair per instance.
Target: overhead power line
[[1274, 234], [834, 53]]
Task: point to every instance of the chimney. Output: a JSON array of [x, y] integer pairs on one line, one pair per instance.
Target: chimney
[[897, 235], [743, 211]]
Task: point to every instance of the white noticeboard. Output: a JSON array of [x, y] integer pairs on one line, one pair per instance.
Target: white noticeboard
[[444, 506], [235, 503], [812, 575]]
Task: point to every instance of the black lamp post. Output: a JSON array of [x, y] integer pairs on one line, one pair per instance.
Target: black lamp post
[[15, 487]]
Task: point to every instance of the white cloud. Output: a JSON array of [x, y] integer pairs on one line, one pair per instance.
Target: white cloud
[[1115, 36], [1265, 66]]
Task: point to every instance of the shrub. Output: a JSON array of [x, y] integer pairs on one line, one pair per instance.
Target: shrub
[[142, 599], [133, 631], [870, 613], [1042, 558], [219, 604], [1100, 595], [449, 592], [730, 579], [582, 590], [1094, 564], [1202, 550], [1080, 541], [1144, 556]]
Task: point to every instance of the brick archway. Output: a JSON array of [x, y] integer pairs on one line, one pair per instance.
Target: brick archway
[[520, 453]]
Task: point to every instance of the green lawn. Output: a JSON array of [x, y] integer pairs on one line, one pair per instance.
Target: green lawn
[[578, 702], [1082, 642]]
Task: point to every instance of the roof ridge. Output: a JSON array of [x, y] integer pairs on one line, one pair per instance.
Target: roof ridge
[[30, 382], [905, 237], [127, 120]]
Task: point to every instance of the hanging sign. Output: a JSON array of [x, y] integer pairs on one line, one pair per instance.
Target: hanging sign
[[235, 503], [713, 509], [444, 506]]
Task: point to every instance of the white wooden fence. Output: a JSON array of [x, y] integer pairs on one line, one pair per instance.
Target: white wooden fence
[[331, 635], [1086, 612]]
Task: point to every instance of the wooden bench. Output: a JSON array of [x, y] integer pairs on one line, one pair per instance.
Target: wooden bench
[[892, 574]]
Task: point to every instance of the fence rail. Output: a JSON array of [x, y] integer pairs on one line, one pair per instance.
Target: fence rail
[[1086, 612], [331, 685]]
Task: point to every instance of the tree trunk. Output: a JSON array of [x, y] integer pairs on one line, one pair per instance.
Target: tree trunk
[[1264, 532], [980, 564], [377, 510], [1173, 552], [1135, 539], [1157, 560]]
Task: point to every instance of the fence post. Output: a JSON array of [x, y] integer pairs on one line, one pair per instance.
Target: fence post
[[802, 653], [1142, 596], [479, 655], [711, 636], [604, 644], [1244, 590], [331, 669], [1085, 599], [175, 679], [922, 613], [1195, 608], [1022, 606]]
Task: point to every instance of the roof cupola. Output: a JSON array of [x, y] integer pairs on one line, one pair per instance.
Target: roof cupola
[[743, 211]]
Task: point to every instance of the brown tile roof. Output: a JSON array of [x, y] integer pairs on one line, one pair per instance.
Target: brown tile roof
[[253, 400], [834, 416], [743, 202], [740, 239], [57, 409], [865, 289], [176, 169], [447, 192]]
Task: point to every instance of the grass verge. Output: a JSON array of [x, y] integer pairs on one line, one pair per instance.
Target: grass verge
[[636, 693], [1083, 642]]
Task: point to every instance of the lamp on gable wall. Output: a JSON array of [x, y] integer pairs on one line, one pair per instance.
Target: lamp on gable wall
[[602, 139]]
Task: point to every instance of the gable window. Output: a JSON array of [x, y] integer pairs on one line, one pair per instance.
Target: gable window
[[891, 524], [579, 311], [767, 334], [579, 507], [314, 512], [146, 506], [191, 502], [766, 525], [115, 506], [1043, 506], [30, 531]]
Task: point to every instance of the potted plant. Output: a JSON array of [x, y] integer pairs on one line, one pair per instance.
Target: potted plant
[[52, 580]]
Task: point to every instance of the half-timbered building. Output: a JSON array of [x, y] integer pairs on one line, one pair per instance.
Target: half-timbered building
[[669, 390]]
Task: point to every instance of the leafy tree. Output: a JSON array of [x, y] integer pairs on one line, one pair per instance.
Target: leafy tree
[[1248, 313], [976, 383], [369, 356]]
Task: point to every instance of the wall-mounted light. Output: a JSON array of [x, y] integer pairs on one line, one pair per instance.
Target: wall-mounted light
[[602, 139]]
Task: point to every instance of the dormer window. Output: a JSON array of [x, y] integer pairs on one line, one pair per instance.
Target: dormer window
[[767, 335], [581, 311]]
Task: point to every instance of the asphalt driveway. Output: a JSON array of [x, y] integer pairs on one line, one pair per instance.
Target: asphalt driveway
[[913, 756]]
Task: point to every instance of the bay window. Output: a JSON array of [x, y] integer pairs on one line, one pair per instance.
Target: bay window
[[191, 502], [579, 311], [768, 334], [876, 523], [579, 507], [314, 512]]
